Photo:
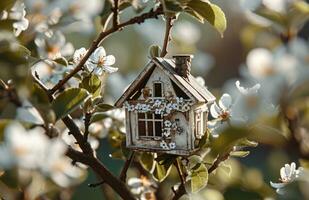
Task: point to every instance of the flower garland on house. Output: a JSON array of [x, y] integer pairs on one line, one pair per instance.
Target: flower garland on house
[[160, 106]]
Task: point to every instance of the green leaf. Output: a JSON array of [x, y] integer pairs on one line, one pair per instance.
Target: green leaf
[[62, 61], [68, 101], [147, 161], [195, 15], [92, 84], [199, 178], [228, 138], [97, 117], [102, 107], [211, 12], [154, 51], [240, 154], [247, 143]]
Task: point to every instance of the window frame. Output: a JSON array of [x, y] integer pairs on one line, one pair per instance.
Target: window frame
[[153, 120], [154, 89]]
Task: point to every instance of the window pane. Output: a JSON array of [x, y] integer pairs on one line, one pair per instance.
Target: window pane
[[150, 128], [158, 116], [141, 128], [158, 129], [141, 116], [149, 116], [157, 90]]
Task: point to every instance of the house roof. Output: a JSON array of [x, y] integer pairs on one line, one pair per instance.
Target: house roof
[[190, 86]]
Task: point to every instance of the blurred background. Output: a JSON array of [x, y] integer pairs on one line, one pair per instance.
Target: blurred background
[[218, 60]]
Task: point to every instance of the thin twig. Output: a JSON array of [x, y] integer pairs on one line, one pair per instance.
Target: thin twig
[[123, 173], [136, 20], [167, 38]]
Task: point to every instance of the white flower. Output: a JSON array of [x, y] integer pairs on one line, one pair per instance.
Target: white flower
[[21, 147], [172, 145], [164, 145], [167, 123], [288, 174], [99, 62], [79, 54], [53, 45], [18, 14], [140, 186], [222, 111], [57, 166]]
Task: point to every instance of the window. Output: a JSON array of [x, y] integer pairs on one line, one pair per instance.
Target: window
[[157, 89], [198, 123], [149, 125]]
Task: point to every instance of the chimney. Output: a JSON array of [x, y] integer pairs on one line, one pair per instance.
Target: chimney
[[183, 64]]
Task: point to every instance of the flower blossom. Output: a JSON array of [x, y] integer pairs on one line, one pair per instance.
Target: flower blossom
[[99, 62], [17, 13], [222, 111], [53, 45], [288, 174]]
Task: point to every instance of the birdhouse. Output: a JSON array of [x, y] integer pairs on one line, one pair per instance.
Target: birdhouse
[[166, 108]]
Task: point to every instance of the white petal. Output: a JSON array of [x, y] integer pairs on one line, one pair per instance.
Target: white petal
[[247, 91], [99, 52], [225, 101], [277, 185], [109, 69], [283, 173], [109, 60], [79, 54], [215, 110]]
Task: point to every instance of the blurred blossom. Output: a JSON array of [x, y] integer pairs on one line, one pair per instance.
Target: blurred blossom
[[57, 166], [75, 15], [79, 54], [142, 187], [99, 62], [53, 45], [16, 13], [249, 4], [200, 81], [139, 4], [186, 32], [32, 149], [21, 147], [288, 174], [70, 140]]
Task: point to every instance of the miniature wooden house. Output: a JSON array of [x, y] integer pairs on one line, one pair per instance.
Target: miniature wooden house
[[166, 109]]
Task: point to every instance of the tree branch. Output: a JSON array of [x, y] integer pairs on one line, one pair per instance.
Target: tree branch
[[116, 13], [136, 20], [101, 170], [167, 38], [123, 174], [68, 121]]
